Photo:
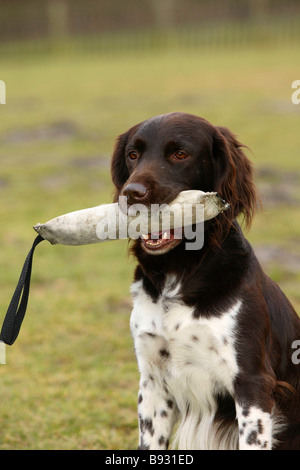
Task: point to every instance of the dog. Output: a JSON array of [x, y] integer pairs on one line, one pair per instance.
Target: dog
[[213, 334]]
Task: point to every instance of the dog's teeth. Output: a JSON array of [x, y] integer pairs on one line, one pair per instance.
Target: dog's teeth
[[145, 237], [154, 242], [165, 236]]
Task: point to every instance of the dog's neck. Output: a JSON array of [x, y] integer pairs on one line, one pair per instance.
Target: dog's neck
[[226, 265]]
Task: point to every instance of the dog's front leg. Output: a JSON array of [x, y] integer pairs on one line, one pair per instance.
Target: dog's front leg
[[255, 428], [157, 413], [255, 405]]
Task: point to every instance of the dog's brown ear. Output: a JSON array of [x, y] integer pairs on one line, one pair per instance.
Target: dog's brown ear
[[234, 176], [119, 171]]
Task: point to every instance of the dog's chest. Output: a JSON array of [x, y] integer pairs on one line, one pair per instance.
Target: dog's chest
[[185, 353]]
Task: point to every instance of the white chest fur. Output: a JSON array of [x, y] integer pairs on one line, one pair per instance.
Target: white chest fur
[[194, 357]]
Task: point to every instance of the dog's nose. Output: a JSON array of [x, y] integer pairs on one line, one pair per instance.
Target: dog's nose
[[135, 192]]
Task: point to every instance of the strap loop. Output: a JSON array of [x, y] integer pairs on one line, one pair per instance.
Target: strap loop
[[17, 309]]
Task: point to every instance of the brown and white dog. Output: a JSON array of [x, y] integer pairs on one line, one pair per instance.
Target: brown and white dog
[[213, 334]]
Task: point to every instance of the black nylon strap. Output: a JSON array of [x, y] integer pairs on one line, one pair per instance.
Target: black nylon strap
[[17, 309]]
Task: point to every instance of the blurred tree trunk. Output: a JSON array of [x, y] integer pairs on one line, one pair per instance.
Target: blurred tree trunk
[[259, 9], [164, 11], [58, 18]]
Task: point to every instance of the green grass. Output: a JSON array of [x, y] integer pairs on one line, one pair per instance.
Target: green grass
[[71, 380]]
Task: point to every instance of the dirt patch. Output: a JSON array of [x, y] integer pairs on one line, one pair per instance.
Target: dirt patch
[[281, 107], [62, 130], [55, 181], [3, 183], [91, 161], [119, 305], [277, 187], [271, 255]]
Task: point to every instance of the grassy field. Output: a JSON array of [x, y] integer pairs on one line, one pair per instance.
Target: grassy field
[[71, 379]]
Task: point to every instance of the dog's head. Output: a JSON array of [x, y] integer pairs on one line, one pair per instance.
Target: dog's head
[[157, 159]]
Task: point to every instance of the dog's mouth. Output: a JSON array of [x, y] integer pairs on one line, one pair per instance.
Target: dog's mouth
[[160, 242]]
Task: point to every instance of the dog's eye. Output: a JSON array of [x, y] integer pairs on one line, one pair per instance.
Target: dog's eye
[[180, 155], [133, 155]]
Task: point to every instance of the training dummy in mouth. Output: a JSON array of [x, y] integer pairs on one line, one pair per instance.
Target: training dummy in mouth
[[110, 222], [117, 221]]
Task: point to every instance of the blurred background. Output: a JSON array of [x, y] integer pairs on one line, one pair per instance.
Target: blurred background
[[77, 75]]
